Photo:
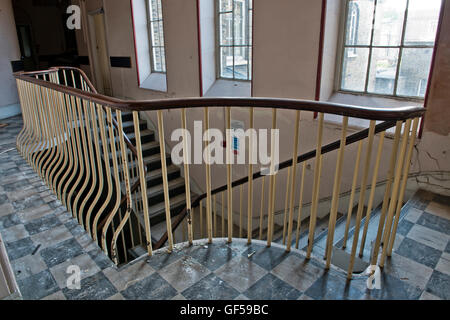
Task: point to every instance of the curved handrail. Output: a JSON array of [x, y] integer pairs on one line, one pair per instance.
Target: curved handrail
[[389, 115], [368, 113]]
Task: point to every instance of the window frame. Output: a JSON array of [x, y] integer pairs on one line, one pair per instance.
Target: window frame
[[218, 46], [150, 37], [400, 47]]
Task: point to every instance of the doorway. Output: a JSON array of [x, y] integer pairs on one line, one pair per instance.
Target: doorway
[[99, 51]]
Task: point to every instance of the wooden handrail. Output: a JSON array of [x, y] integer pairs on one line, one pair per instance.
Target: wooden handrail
[[369, 113]]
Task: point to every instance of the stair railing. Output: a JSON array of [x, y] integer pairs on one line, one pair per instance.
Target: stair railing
[[56, 126]]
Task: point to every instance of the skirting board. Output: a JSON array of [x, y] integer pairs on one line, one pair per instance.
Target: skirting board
[[10, 111]]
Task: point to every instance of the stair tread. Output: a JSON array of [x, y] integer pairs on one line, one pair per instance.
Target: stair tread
[[157, 209], [131, 123], [158, 172], [160, 187]]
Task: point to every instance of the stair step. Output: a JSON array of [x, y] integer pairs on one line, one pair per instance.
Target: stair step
[[154, 177], [155, 193], [128, 126], [159, 209]]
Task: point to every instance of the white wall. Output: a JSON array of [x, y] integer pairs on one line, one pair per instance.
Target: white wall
[[9, 51], [208, 43], [286, 48]]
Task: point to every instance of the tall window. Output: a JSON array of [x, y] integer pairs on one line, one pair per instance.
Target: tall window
[[388, 46], [234, 39], [156, 32]]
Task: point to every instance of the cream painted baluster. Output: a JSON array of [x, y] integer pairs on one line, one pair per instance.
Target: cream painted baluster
[[395, 192], [316, 186], [143, 182], [250, 179], [362, 198], [401, 197], [387, 192], [208, 179], [352, 194], [336, 190], [165, 179], [272, 188], [292, 182], [372, 193], [229, 176], [186, 157]]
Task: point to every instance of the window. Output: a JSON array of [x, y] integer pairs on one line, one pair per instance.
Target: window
[[156, 36], [388, 46], [234, 39]]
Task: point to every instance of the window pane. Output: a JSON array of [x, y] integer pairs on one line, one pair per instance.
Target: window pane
[[389, 19], [163, 60], [226, 62], [154, 14], [383, 69], [241, 57], [354, 69], [241, 23], [157, 60], [422, 22], [250, 60], [226, 29], [156, 33], [161, 33], [414, 70], [226, 5], [359, 22]]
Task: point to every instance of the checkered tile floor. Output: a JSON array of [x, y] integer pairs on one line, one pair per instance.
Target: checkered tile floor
[[42, 240]]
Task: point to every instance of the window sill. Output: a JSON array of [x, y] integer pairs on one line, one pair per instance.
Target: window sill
[[155, 82], [366, 101], [230, 88]]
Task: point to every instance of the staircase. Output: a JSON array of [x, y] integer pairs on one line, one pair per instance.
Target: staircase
[[155, 190]]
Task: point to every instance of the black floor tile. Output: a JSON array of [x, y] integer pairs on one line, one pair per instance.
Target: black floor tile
[[100, 259], [20, 248], [404, 227], [212, 256], [434, 222], [210, 288], [439, 285], [267, 258], [333, 286], [271, 287], [153, 287], [31, 202], [74, 228], [42, 224], [419, 252], [61, 252], [9, 221], [38, 286], [96, 287]]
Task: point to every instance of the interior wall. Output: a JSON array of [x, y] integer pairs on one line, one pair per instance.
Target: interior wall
[[9, 51], [432, 156], [208, 43], [286, 48]]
